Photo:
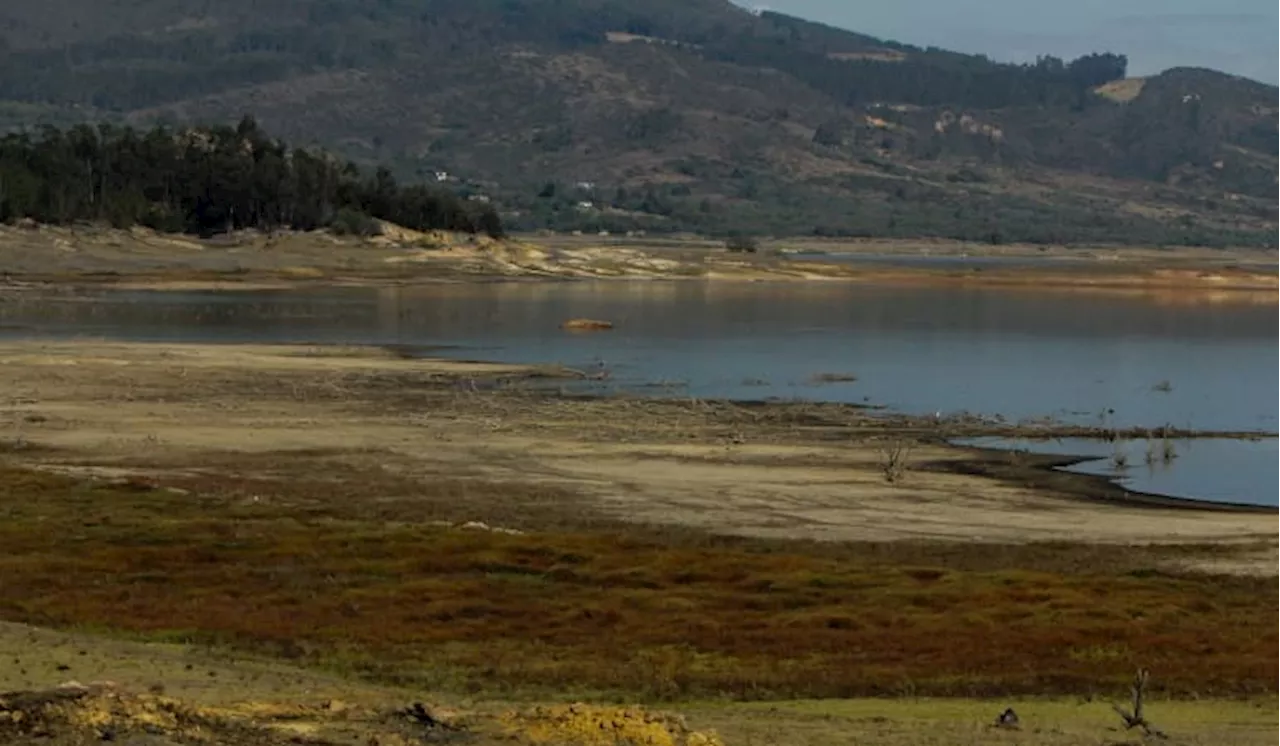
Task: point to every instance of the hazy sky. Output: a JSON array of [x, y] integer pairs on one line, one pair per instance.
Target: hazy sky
[[1235, 36]]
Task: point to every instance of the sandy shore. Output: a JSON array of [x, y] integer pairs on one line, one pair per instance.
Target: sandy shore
[[802, 471], [143, 259]]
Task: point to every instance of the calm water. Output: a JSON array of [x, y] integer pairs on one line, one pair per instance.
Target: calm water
[[1209, 468], [1022, 355]]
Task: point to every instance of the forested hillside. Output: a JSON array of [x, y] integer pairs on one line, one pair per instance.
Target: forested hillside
[[210, 180], [362, 35], [668, 115]]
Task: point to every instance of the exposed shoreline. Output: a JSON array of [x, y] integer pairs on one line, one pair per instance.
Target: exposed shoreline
[[420, 414], [1045, 470], [141, 260], [1092, 487], [47, 257]]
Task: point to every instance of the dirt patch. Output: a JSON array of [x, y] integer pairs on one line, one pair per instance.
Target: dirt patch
[[1122, 91], [586, 725]]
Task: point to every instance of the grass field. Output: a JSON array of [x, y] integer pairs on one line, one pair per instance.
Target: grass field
[[616, 611], [967, 722]]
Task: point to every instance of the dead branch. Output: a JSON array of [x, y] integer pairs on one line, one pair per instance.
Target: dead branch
[[1136, 718], [893, 460]]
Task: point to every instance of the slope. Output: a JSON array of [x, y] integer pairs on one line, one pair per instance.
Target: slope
[[666, 115]]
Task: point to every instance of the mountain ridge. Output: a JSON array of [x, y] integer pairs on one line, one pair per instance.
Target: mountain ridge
[[606, 115]]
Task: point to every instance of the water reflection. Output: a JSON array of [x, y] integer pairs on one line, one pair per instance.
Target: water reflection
[[921, 350], [1083, 359], [1239, 471]]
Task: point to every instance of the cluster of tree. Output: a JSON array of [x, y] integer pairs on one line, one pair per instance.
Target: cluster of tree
[[931, 78], [857, 206], [208, 181], [858, 69]]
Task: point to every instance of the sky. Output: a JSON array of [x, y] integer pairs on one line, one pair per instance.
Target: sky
[[1235, 36]]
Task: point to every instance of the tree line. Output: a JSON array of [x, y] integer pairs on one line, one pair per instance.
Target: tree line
[[211, 180], [931, 78]]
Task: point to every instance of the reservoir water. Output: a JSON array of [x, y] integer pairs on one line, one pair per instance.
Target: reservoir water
[[1078, 358]]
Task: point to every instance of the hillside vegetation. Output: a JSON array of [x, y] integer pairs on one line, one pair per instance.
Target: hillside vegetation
[[212, 180], [674, 115]]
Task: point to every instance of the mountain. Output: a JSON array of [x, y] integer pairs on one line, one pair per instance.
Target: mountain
[[676, 115]]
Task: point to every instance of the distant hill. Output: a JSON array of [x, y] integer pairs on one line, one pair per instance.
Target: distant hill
[[677, 115]]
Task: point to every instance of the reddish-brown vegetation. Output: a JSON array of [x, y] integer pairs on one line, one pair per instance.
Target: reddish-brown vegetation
[[341, 583]]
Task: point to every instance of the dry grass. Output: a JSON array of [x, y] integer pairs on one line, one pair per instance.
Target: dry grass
[[317, 571], [958, 722], [263, 696]]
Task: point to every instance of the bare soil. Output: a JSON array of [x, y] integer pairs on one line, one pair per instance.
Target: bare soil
[[779, 471], [41, 255]]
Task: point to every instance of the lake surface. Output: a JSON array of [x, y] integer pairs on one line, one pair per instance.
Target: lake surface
[[1199, 469], [1084, 359]]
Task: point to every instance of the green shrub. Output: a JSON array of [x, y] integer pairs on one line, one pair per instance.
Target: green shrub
[[351, 222]]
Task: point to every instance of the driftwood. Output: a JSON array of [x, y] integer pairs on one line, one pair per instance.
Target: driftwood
[[1136, 718]]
